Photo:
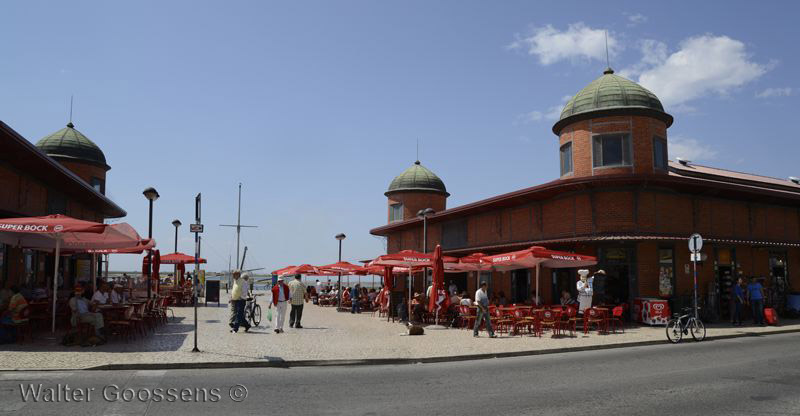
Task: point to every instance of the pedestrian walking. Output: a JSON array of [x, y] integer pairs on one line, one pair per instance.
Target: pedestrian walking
[[280, 296], [298, 296], [738, 302], [482, 302], [239, 298], [755, 294], [231, 304], [355, 297]]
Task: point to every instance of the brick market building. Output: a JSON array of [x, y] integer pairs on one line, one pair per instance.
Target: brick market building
[[621, 199], [64, 173]]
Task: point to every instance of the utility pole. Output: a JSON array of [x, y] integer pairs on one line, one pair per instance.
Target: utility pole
[[239, 225]]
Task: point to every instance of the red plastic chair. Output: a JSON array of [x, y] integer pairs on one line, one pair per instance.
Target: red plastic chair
[[467, 316], [501, 323], [616, 319], [593, 316], [549, 319]]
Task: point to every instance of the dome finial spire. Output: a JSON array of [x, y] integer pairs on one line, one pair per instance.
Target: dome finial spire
[[608, 61], [70, 125]]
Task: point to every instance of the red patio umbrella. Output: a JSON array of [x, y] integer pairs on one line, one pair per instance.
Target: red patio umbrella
[[438, 298], [412, 260], [344, 267], [179, 258], [281, 271], [301, 269], [535, 257], [55, 232]]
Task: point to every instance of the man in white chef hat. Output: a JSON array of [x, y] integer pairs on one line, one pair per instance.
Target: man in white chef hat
[[584, 290]]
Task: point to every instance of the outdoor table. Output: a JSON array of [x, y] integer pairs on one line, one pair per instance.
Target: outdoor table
[[110, 311]]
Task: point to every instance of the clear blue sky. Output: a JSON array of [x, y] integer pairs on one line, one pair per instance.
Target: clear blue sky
[[316, 106]]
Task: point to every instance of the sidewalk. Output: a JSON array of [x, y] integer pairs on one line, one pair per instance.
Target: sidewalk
[[327, 335]]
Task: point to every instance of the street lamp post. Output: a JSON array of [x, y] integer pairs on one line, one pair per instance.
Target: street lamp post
[[340, 237], [424, 214], [151, 194], [176, 223]]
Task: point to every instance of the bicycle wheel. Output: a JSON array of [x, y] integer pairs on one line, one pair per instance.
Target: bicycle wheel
[[255, 315], [697, 329], [674, 331]]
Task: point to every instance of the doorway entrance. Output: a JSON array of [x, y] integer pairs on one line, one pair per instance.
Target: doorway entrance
[[520, 285], [724, 280], [620, 284]]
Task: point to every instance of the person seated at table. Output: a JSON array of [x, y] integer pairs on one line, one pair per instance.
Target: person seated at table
[[81, 312], [16, 304], [418, 307], [501, 300], [465, 300], [5, 296], [567, 299], [39, 293], [101, 297], [534, 300], [371, 296], [455, 299], [117, 295], [402, 310]]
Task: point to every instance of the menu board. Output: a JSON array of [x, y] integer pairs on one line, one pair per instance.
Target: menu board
[[83, 270]]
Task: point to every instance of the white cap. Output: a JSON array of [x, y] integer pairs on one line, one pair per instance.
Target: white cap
[[280, 278], [583, 272]]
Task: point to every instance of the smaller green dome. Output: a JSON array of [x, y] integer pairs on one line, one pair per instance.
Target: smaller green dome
[[69, 143], [611, 95], [417, 178]]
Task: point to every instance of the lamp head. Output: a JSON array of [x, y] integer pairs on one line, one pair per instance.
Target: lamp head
[[340, 236], [151, 194], [176, 223]]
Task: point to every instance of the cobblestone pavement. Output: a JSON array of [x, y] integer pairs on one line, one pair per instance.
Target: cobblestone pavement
[[326, 335]]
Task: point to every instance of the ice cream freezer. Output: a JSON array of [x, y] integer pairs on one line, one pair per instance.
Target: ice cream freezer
[[651, 311]]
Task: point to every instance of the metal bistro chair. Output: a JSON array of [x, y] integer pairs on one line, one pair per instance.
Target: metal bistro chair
[[549, 318]]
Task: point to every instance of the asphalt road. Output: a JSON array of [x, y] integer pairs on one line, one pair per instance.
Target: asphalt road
[[743, 376]]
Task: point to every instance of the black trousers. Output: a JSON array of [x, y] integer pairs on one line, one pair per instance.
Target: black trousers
[[295, 315]]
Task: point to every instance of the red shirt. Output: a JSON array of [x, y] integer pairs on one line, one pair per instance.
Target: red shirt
[[275, 292]]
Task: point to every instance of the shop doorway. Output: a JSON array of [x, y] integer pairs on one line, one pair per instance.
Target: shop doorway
[[778, 285], [459, 279], [620, 284], [724, 281], [520, 285]]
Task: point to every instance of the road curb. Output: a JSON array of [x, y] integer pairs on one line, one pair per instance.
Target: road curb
[[400, 361]]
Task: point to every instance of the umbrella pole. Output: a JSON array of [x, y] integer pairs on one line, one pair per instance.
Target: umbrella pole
[[55, 282], [93, 274], [538, 267], [410, 288]]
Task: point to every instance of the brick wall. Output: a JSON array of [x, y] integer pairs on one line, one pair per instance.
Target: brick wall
[[85, 171], [415, 201], [642, 130]]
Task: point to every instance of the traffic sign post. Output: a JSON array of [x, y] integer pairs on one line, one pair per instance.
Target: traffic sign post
[[196, 228], [695, 245]]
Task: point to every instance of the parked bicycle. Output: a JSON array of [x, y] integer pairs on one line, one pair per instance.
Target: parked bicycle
[[252, 310], [683, 324]]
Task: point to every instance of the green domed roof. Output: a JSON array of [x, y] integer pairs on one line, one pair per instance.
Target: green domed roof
[[417, 178], [69, 143], [611, 95]]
